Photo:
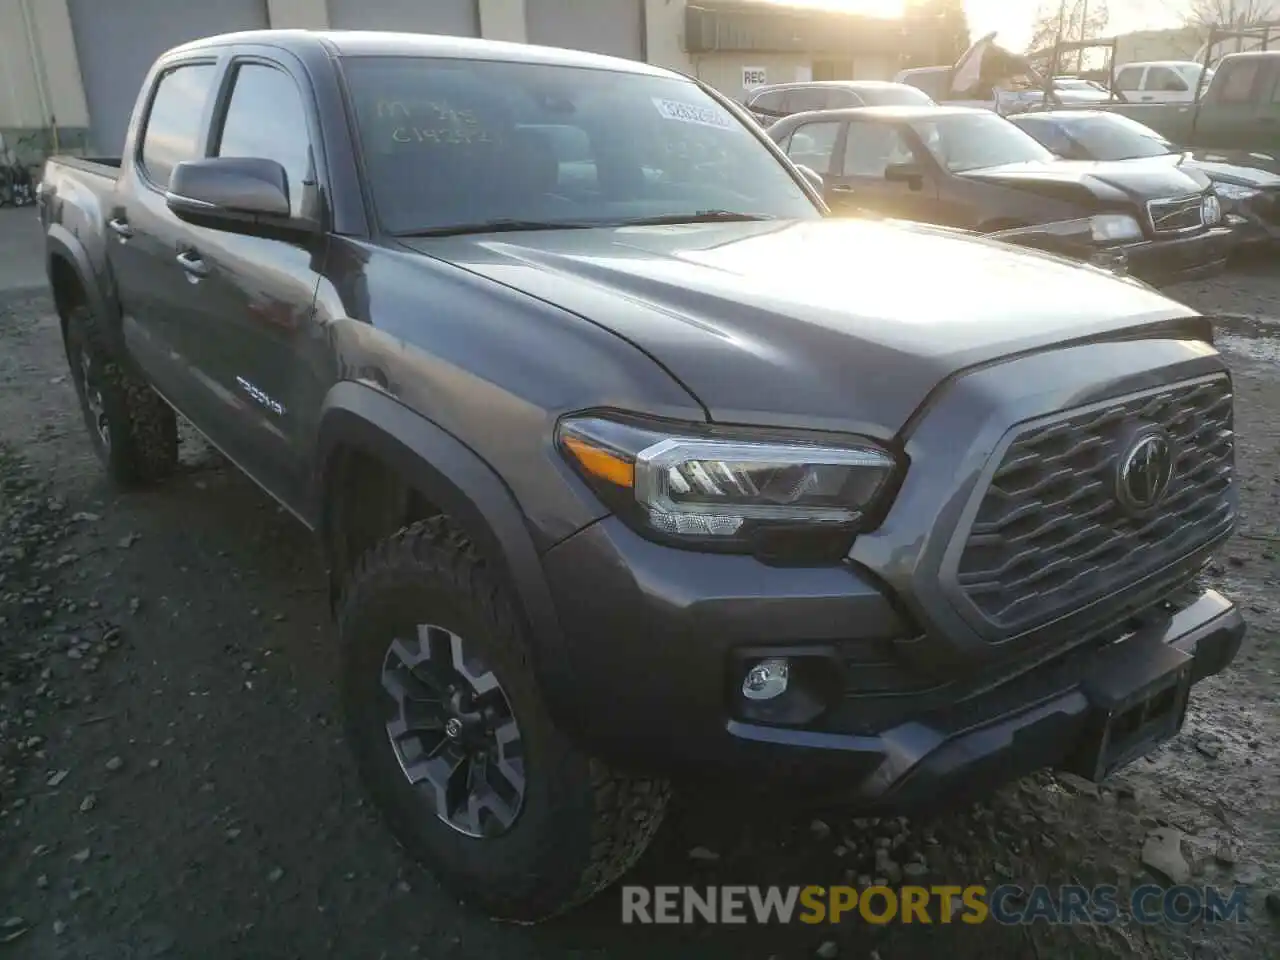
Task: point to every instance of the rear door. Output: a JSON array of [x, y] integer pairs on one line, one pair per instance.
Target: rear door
[[859, 182], [145, 238]]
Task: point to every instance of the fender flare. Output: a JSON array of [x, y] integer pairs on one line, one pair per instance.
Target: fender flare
[[454, 478], [61, 243]]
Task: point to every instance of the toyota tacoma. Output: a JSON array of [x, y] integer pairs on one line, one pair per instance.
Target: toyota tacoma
[[632, 466]]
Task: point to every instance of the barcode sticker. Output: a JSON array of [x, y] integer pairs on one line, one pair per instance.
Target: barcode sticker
[[689, 113]]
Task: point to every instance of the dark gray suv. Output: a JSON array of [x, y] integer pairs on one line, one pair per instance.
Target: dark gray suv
[[772, 103]]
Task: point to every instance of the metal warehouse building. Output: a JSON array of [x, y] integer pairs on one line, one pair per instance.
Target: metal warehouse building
[[70, 69]]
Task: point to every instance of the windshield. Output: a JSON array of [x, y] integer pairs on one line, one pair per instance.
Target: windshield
[[1113, 137], [466, 142], [971, 141]]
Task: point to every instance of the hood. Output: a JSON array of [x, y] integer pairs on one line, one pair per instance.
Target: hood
[[823, 322], [1131, 179], [1250, 169], [985, 64]]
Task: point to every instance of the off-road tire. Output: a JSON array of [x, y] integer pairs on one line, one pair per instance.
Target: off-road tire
[[143, 430], [582, 825]]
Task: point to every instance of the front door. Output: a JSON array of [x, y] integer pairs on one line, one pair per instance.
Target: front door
[[253, 297], [879, 170], [813, 145]]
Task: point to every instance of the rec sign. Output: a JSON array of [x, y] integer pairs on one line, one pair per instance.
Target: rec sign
[[753, 77]]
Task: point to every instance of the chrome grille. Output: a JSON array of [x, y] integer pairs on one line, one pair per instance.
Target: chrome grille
[[1050, 535], [1176, 216]]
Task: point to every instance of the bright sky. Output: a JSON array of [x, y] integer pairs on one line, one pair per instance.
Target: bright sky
[[1013, 18]]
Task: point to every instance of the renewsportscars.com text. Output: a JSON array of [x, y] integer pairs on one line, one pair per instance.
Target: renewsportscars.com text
[[941, 903]]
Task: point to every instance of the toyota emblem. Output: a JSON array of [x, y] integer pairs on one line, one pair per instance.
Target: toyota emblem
[[1146, 470]]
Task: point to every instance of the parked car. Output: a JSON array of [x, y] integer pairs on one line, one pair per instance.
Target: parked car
[[968, 168], [1162, 81], [771, 103], [639, 468], [936, 83], [1248, 185], [1237, 110]]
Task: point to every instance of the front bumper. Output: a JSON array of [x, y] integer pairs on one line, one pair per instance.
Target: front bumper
[[1180, 258], [1256, 222], [659, 636], [1157, 262]]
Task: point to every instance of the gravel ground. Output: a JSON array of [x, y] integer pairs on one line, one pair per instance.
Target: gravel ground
[[173, 780]]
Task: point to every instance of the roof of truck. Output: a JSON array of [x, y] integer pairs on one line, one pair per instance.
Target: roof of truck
[[373, 43]]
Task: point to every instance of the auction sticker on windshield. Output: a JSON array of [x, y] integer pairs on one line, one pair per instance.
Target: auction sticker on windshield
[[691, 113]]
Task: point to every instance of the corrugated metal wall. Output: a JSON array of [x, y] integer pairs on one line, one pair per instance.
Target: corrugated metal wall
[[614, 27], [117, 41], [457, 18]]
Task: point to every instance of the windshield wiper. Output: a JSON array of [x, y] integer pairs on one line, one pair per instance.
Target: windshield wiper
[[503, 225], [701, 216]]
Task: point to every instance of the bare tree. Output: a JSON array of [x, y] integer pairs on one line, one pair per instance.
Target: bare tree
[[1231, 13], [1069, 21]]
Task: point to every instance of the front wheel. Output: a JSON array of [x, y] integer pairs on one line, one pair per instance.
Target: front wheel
[[456, 746]]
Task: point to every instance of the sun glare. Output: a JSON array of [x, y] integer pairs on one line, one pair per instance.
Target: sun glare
[[872, 8]]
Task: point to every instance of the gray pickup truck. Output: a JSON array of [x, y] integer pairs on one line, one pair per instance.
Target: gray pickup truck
[[631, 466]]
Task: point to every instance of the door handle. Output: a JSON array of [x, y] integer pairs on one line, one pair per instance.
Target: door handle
[[842, 188], [190, 261], [120, 228]]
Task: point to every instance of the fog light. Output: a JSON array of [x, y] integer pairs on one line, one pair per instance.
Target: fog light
[[767, 679]]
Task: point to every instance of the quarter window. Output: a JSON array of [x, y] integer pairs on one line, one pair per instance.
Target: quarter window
[[266, 119], [1130, 78], [172, 133]]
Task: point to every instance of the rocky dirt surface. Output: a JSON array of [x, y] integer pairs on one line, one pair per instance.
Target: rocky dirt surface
[[173, 780]]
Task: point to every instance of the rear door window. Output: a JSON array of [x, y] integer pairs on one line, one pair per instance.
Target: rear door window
[[770, 103], [804, 99], [1164, 80], [839, 97], [172, 132], [1130, 78], [1237, 81]]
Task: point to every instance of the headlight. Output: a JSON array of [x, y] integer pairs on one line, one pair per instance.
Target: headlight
[[1211, 210], [1110, 227], [1234, 191], [731, 489]]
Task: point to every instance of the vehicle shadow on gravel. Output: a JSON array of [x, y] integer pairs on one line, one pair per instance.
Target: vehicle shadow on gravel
[[174, 781]]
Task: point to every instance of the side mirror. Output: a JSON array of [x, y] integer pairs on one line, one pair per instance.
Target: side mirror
[[814, 178], [908, 173], [240, 194]]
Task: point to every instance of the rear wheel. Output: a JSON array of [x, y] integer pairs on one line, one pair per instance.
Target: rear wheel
[[133, 431], [456, 746]]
